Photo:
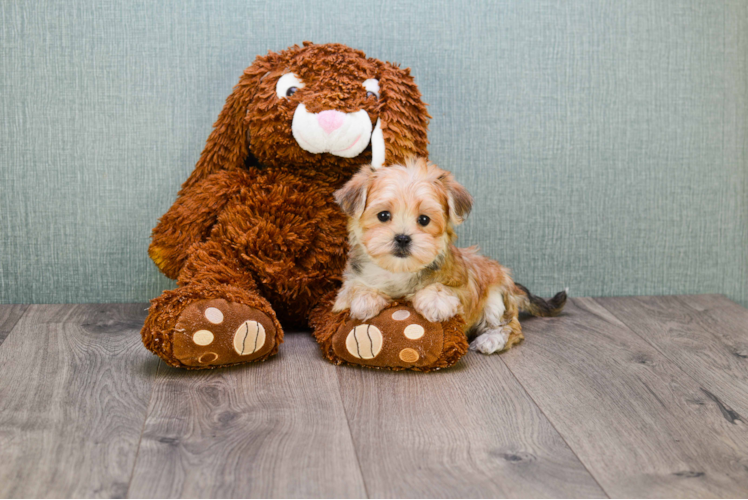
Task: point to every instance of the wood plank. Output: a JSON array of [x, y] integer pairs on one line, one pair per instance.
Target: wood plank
[[272, 429], [74, 385], [470, 431], [9, 316], [640, 424], [706, 335]]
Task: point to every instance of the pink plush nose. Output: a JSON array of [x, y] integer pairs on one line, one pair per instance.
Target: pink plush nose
[[330, 120]]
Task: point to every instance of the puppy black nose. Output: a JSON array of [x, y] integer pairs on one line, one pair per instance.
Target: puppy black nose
[[402, 240]]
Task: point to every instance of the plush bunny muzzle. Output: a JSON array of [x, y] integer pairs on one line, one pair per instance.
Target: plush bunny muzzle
[[338, 133]]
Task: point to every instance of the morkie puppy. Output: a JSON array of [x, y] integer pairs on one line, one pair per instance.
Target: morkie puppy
[[401, 231]]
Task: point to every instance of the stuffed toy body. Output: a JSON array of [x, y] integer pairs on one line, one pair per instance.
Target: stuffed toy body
[[255, 237]]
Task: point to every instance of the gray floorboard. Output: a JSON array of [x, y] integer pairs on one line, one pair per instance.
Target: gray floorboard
[[74, 387], [641, 426], [271, 429], [470, 431], [9, 316], [706, 335], [623, 397]]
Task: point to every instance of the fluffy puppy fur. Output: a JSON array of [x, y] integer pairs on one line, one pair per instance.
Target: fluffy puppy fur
[[401, 233]]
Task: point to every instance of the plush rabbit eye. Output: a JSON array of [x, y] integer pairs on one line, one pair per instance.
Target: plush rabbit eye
[[424, 220], [372, 88], [383, 216], [287, 85]]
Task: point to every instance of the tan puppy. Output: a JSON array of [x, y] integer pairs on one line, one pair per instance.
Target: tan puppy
[[401, 232]]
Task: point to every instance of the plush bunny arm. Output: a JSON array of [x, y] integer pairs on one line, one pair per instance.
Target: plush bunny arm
[[191, 218]]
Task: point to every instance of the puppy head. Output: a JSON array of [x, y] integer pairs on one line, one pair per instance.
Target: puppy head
[[404, 215], [322, 107]]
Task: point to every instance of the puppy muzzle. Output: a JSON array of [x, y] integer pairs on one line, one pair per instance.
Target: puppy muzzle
[[402, 245]]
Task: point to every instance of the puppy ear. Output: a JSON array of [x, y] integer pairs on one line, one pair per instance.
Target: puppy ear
[[401, 131], [227, 147], [460, 201], [352, 196]]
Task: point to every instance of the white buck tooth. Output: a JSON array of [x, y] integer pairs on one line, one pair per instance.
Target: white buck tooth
[[377, 146]]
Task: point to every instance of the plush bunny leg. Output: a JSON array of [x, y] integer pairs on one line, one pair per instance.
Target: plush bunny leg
[[216, 316]]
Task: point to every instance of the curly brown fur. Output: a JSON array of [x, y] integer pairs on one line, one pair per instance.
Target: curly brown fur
[[263, 203], [255, 121]]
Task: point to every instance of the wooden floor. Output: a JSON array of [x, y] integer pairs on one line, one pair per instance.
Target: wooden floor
[[619, 397]]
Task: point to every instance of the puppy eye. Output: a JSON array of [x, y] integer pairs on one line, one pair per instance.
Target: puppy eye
[[424, 220], [383, 216], [287, 85], [372, 88]]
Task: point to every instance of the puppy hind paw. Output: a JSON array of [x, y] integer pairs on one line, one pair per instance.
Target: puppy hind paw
[[490, 342]]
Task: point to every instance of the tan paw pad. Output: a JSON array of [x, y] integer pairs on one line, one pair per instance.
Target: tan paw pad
[[203, 337], [409, 355], [401, 314], [207, 358], [364, 341], [414, 332], [214, 315], [249, 338]]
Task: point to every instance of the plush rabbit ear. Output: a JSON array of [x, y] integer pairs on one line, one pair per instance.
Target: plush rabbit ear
[[352, 196], [401, 131], [227, 147]]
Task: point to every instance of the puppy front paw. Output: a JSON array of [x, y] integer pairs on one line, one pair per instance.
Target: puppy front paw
[[436, 303], [366, 305], [491, 341]]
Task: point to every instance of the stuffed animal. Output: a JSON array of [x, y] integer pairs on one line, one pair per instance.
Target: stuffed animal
[[255, 238]]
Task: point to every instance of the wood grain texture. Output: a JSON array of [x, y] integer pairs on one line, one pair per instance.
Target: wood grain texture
[[470, 431], [706, 335], [272, 429], [646, 400], [74, 385], [641, 425], [9, 316]]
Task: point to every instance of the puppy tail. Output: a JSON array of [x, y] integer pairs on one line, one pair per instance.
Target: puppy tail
[[538, 306]]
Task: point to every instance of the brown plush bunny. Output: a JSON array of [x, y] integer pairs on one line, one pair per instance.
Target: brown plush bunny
[[255, 236]]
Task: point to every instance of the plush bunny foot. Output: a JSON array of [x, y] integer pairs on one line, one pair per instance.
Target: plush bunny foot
[[188, 328], [398, 338], [215, 332]]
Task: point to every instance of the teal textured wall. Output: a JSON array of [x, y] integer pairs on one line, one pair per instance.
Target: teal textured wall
[[606, 142]]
